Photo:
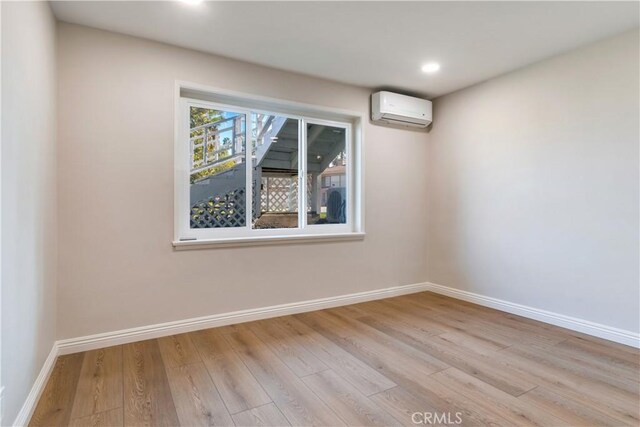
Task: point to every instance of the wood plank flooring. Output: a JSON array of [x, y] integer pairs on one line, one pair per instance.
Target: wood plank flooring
[[369, 364]]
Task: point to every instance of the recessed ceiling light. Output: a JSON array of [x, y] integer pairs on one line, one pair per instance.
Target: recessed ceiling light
[[430, 67], [191, 2]]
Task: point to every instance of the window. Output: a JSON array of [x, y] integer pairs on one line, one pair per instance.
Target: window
[[247, 173]]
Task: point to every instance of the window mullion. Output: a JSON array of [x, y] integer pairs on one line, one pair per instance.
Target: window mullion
[[248, 156], [185, 161], [351, 185], [302, 174]]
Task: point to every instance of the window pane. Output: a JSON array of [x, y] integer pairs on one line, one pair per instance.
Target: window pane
[[275, 162], [327, 168], [218, 174]]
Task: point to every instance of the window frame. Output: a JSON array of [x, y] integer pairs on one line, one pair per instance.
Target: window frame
[[185, 237]]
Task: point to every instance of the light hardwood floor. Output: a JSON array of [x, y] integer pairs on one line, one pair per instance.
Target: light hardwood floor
[[375, 363]]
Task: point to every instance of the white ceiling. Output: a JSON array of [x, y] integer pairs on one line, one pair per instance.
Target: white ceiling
[[371, 44]]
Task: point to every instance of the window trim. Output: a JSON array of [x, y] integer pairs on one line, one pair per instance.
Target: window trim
[[188, 94]]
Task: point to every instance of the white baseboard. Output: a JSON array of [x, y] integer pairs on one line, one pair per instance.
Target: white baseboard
[[23, 417], [91, 342], [579, 325]]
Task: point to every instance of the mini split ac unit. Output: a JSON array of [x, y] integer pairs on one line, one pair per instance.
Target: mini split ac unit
[[393, 108]]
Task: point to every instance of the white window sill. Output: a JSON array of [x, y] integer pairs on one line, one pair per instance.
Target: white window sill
[[265, 240]]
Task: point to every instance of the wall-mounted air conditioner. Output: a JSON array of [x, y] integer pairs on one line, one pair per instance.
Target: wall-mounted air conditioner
[[393, 108]]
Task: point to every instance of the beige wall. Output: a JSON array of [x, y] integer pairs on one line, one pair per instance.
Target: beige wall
[[526, 189], [28, 197], [117, 266], [533, 185]]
